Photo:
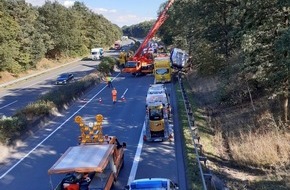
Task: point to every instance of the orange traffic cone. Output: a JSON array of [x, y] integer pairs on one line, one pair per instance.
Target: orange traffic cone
[[100, 100]]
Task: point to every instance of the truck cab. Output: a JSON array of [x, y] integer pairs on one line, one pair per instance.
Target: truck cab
[[162, 69], [97, 53]]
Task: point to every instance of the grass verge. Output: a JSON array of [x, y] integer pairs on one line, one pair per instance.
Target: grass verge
[[192, 169]]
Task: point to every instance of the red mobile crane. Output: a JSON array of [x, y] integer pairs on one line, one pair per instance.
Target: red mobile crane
[[143, 62]]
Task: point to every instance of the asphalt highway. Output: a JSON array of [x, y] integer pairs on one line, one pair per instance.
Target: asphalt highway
[[17, 95], [26, 167]]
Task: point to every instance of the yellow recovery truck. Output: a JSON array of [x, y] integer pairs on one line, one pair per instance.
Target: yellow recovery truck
[[162, 69], [94, 164], [158, 114]]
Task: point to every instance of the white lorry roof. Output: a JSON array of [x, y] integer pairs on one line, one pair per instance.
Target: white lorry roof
[[83, 158], [154, 98], [156, 89]]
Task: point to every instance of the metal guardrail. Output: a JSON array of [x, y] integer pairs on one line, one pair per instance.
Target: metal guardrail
[[209, 180], [194, 134]]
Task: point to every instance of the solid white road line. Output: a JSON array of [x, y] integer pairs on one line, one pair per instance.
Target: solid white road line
[[39, 144], [137, 157], [8, 104], [124, 93]]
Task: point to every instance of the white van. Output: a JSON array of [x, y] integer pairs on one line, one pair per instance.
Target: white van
[[152, 184], [97, 53]]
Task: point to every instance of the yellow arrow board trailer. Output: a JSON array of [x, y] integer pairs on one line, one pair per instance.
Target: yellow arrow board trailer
[[101, 162], [94, 164], [162, 69]]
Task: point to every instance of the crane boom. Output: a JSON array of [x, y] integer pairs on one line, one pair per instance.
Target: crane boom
[[160, 20], [144, 63]]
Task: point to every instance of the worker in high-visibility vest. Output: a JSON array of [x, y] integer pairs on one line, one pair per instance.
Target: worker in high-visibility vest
[[109, 81], [114, 95]]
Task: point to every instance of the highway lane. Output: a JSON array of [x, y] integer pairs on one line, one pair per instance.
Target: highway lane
[[27, 167], [14, 96], [18, 95], [164, 159]]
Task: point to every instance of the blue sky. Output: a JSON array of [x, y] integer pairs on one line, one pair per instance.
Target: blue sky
[[120, 12]]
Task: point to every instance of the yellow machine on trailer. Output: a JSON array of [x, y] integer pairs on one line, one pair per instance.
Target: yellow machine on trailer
[[158, 114]]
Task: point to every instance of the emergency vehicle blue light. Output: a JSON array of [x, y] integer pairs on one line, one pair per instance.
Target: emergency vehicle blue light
[[148, 184]]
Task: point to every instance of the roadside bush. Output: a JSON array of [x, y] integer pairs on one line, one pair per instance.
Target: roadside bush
[[107, 65], [65, 94], [38, 108], [11, 127]]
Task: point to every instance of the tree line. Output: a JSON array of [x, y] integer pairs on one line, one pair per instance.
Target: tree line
[[139, 30], [254, 33], [28, 33]]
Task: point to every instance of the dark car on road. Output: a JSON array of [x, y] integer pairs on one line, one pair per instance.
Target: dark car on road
[[64, 78]]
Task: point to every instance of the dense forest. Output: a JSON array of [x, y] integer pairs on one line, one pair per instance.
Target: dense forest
[[139, 30], [28, 34], [242, 47], [256, 31]]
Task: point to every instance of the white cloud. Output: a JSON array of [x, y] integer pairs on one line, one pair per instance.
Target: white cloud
[[35, 2], [68, 3], [113, 15], [120, 19], [103, 10], [131, 19]]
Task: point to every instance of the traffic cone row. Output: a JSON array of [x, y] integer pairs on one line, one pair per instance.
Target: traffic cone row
[[122, 98]]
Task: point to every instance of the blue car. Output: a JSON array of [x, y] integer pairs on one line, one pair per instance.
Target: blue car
[[152, 184], [64, 78]]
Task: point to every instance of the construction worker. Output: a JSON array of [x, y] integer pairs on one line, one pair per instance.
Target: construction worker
[[114, 95], [109, 82]]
